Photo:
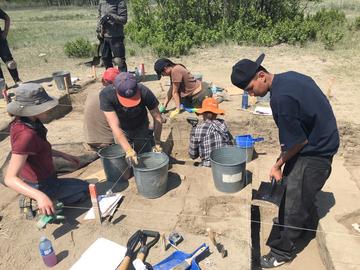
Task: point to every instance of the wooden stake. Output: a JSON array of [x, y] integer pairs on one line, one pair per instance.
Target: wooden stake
[[163, 241], [66, 86], [94, 72], [95, 203]]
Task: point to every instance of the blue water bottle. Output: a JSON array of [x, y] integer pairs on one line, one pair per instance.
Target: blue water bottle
[[245, 100], [47, 252]]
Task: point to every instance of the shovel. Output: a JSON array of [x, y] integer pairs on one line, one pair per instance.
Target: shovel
[[272, 192], [96, 59]]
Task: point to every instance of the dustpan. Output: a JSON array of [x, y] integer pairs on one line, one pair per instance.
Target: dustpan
[[269, 193], [178, 257]]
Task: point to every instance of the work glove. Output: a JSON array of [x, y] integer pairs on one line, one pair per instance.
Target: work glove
[[162, 108], [157, 148], [104, 19], [131, 157], [174, 113]]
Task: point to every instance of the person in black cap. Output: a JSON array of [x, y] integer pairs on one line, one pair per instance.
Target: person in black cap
[[125, 104], [309, 139], [185, 89]]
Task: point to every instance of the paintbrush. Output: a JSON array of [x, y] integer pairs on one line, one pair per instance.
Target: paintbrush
[[187, 263]]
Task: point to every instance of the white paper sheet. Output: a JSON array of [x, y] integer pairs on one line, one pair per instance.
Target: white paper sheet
[[103, 254], [262, 110], [106, 205]]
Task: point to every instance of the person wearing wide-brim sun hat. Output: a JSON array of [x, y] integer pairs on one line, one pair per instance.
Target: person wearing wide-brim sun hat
[[31, 170], [184, 88], [212, 133]]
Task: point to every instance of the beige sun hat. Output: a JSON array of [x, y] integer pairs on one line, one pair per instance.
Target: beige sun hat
[[31, 99]]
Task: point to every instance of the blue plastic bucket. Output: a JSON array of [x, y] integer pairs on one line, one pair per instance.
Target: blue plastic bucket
[[246, 142]]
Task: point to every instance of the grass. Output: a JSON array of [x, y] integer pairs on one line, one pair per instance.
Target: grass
[[36, 31]]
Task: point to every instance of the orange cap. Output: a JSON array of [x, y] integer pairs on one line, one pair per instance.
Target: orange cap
[[210, 105], [110, 74]]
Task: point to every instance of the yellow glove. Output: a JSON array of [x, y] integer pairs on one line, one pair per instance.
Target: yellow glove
[[131, 157], [157, 148], [174, 113]]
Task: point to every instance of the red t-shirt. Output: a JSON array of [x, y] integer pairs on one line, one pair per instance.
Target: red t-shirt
[[25, 141]]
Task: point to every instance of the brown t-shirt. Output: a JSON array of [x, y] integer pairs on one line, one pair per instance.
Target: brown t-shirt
[[188, 84], [96, 128]]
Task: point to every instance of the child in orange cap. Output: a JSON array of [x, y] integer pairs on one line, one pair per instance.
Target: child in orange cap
[[211, 134]]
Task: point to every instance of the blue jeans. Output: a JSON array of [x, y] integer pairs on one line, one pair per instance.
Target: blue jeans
[[65, 190]]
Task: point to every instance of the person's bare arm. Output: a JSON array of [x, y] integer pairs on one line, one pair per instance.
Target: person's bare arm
[[175, 94], [119, 135], [157, 124], [284, 157], [13, 181]]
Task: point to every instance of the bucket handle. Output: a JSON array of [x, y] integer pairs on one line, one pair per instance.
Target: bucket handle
[[259, 139]]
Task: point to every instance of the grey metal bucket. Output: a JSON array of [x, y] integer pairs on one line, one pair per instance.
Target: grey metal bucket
[[248, 152], [59, 78], [228, 165], [114, 163], [151, 174]]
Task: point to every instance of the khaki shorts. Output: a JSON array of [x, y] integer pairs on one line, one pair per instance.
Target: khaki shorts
[[196, 100]]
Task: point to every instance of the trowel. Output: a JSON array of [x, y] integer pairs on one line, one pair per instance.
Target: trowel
[[272, 192]]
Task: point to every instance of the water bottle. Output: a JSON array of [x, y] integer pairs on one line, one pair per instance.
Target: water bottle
[[47, 252], [245, 101]]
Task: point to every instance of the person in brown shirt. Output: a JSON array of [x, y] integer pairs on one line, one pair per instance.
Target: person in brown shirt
[[184, 88], [97, 131]]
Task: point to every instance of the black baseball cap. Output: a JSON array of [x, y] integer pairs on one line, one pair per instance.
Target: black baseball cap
[[160, 64], [244, 71]]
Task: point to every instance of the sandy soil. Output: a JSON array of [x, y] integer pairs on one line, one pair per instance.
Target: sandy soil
[[19, 238]]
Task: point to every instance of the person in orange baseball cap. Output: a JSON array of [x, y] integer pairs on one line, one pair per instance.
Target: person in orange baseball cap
[[212, 133], [97, 131], [126, 105]]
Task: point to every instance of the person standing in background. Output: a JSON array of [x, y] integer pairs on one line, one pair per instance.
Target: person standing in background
[[110, 32], [5, 52]]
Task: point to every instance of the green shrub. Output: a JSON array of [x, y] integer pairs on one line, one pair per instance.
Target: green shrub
[[328, 17], [79, 48], [132, 52], [331, 37], [172, 28], [357, 23]]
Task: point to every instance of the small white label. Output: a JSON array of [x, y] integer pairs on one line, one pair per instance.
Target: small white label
[[232, 178]]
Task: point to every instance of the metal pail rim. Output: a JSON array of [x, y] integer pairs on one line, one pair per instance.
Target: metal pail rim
[[223, 164], [162, 164]]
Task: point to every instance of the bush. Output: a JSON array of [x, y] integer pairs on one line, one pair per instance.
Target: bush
[[331, 37], [172, 28], [357, 23], [79, 48]]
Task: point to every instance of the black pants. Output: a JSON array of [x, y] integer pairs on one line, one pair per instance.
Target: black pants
[[304, 176], [6, 56], [114, 48]]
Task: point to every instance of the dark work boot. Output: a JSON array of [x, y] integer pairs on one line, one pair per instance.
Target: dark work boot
[[122, 65]]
